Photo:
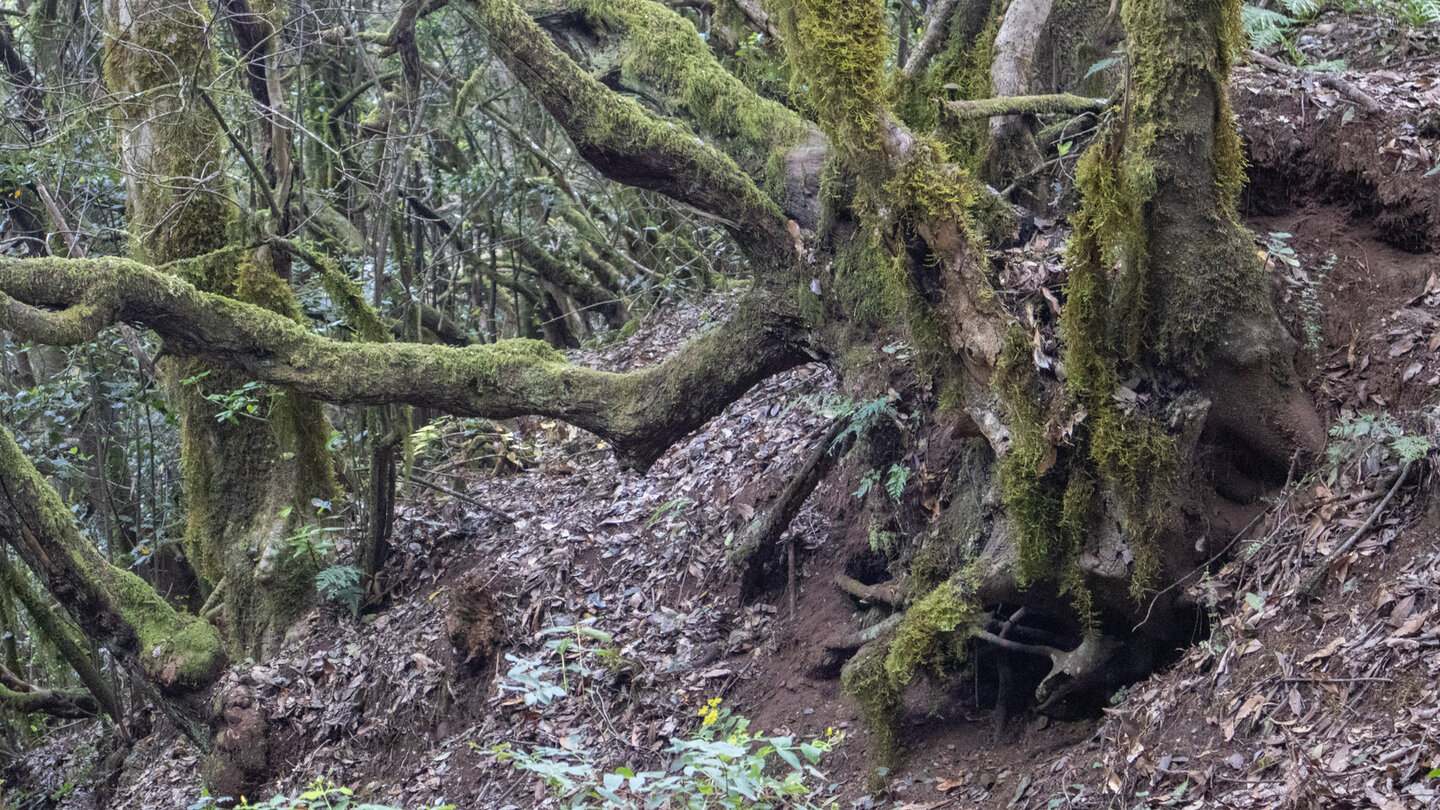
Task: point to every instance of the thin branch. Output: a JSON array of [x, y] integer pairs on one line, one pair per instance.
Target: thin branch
[[1066, 103], [1313, 581], [935, 30], [1350, 91]]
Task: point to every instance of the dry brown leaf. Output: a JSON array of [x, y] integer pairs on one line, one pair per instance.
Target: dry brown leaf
[[1402, 611], [1324, 652], [1251, 706], [1409, 627]]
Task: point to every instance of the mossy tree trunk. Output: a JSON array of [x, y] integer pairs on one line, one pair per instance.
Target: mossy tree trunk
[[862, 234], [250, 477], [176, 655]]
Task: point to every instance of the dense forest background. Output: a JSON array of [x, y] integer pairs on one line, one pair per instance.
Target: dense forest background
[[556, 383]]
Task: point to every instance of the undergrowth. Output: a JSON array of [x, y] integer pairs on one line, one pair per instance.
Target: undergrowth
[[720, 764]]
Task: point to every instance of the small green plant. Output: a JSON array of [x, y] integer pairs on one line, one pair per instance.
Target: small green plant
[[320, 795], [721, 765], [863, 416], [896, 476], [1311, 308], [570, 650], [243, 401], [1277, 246], [1277, 24], [341, 584], [1265, 27], [312, 541], [1410, 13], [1362, 444], [669, 510]]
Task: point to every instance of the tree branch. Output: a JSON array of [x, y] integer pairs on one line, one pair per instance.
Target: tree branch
[[641, 413], [935, 30], [20, 696], [628, 144], [1016, 105], [667, 63], [175, 653]]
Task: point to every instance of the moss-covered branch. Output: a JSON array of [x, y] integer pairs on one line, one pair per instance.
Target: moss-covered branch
[[60, 633], [661, 56], [19, 696], [1029, 105], [641, 413], [567, 278], [176, 652], [627, 143]]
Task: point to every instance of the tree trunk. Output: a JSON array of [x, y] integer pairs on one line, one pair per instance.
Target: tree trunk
[[1174, 390], [250, 477]]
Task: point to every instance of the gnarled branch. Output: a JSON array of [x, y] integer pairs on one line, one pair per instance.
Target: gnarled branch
[[1031, 105], [641, 413], [628, 144]]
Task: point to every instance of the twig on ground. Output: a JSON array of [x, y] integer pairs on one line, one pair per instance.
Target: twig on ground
[[460, 496], [1345, 88], [1312, 581]]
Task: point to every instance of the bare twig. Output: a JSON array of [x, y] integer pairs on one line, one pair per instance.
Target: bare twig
[[460, 496], [1350, 91], [1312, 581]]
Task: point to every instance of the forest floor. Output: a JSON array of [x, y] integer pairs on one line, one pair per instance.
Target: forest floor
[[1281, 702]]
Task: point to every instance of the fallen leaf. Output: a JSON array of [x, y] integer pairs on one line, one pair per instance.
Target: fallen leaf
[[1324, 652], [1409, 628]]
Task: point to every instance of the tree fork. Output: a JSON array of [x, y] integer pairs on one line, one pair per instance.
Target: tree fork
[[175, 654]]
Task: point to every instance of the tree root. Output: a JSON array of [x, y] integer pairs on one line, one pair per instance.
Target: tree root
[[883, 593], [759, 549], [854, 641]]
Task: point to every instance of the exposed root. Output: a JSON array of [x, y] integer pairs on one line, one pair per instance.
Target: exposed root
[[758, 552], [883, 593]]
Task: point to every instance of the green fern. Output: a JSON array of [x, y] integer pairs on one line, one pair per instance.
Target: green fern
[[895, 481], [1264, 28], [341, 583]]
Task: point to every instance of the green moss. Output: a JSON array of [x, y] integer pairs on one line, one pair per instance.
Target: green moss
[[613, 128], [840, 50], [868, 684], [180, 651], [661, 51], [929, 640], [489, 359], [960, 71], [169, 137]]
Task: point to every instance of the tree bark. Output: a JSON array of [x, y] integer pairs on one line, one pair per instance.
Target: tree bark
[[178, 653], [641, 413], [159, 57], [62, 634]]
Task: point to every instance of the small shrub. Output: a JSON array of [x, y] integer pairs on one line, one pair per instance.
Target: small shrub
[[321, 795], [341, 584], [721, 765]]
